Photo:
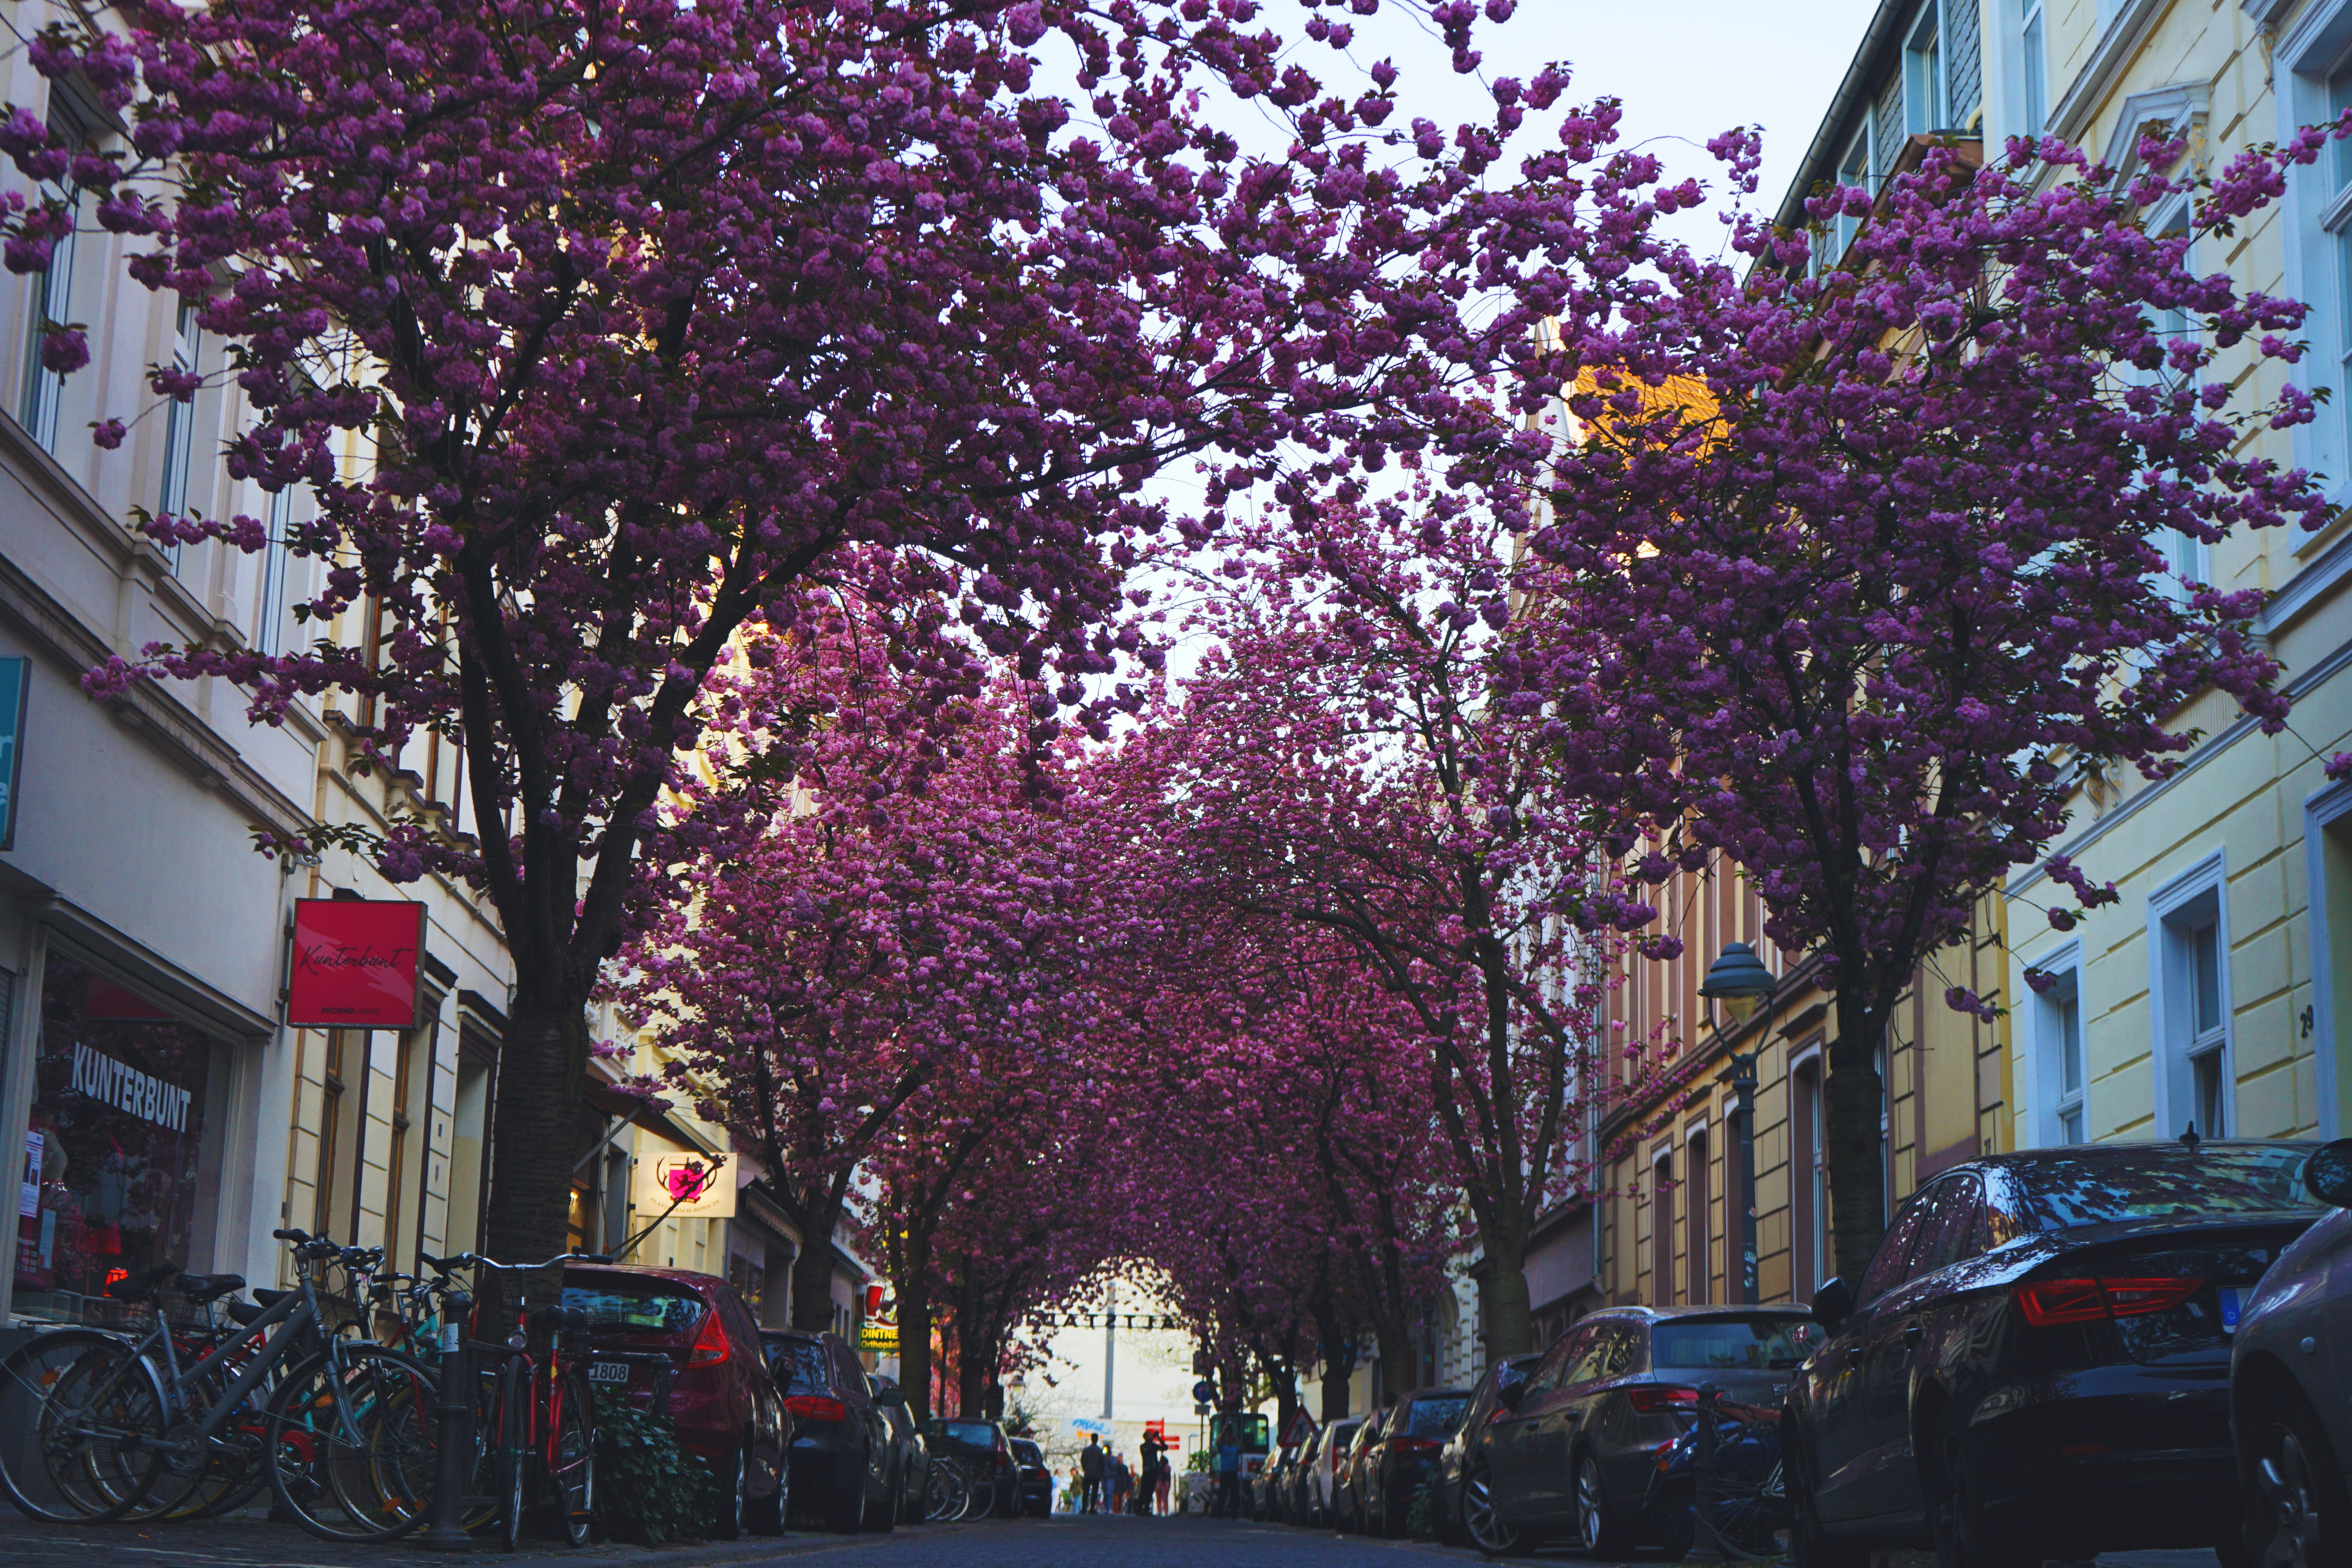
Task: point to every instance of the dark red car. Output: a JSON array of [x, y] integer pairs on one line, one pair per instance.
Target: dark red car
[[722, 1397]]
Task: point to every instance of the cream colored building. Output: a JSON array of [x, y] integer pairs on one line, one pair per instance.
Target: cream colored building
[[2215, 991]]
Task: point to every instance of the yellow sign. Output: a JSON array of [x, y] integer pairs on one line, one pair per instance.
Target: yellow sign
[[882, 1338]]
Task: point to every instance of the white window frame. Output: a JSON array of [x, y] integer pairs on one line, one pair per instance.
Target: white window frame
[[180, 420], [2053, 1102], [2316, 217], [2176, 911], [1814, 1056], [2320, 811], [270, 586], [49, 293], [2032, 67], [1927, 70]]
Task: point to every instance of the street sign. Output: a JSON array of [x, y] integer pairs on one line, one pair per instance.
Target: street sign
[[1204, 1393], [1301, 1428]]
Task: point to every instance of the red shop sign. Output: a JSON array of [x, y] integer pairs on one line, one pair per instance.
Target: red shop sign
[[355, 964]]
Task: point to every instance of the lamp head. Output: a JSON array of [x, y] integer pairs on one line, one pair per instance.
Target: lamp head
[[1738, 982]]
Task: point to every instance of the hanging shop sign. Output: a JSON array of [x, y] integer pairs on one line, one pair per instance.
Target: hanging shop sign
[[681, 1184], [882, 1338], [16, 682], [354, 963]]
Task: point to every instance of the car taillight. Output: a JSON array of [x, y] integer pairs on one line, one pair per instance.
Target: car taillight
[[1416, 1445], [1649, 1401], [710, 1344], [816, 1407], [2048, 1303]]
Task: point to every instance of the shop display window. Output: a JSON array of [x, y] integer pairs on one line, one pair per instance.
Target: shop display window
[[110, 1184]]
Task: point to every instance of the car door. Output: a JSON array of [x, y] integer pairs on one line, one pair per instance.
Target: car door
[[1844, 1425], [850, 1377], [1552, 1438], [767, 1451], [1884, 1479], [1523, 1489]]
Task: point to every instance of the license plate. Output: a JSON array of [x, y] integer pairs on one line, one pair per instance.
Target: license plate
[[2232, 1302], [608, 1372]]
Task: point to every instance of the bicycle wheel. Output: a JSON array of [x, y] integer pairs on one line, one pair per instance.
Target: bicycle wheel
[[81, 1418], [572, 1457], [979, 1494], [943, 1491], [513, 1450], [350, 1444]]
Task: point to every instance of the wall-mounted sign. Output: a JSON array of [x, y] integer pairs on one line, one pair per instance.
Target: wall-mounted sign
[[882, 1338], [1094, 1424], [16, 684], [354, 963], [681, 1184]]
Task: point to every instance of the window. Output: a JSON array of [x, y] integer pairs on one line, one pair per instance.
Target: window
[[1662, 1232], [2035, 58], [1808, 1227], [2059, 1075], [179, 420], [1699, 1227], [1890, 1263], [1923, 73], [2189, 941], [51, 292], [1953, 1229], [269, 601], [2337, 205], [1854, 170]]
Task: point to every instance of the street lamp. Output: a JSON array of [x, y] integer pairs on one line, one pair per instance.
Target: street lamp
[[1740, 983]]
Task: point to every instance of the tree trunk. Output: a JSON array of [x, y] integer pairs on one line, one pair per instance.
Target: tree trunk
[[914, 1345], [1503, 1297], [1855, 1149], [1337, 1350], [542, 1063], [812, 1269]]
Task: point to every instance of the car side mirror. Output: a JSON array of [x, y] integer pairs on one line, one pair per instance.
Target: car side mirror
[[889, 1396], [1832, 1303], [1510, 1394], [2327, 1174]]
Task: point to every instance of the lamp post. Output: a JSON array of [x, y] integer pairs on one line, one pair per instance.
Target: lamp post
[[1740, 983]]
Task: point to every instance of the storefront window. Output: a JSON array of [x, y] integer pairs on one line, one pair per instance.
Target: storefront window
[[109, 1182]]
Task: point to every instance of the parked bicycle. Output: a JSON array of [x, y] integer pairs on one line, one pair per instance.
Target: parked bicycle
[[93, 1422]]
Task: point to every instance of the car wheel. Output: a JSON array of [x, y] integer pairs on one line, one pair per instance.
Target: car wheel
[[883, 1517], [1598, 1526], [1965, 1534], [2301, 1516], [735, 1502], [766, 1516], [847, 1513], [1487, 1530]]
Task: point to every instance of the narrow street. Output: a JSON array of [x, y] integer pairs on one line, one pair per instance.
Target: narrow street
[[1061, 1543]]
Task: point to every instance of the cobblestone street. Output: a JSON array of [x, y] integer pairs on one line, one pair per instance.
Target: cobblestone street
[[1063, 1542]]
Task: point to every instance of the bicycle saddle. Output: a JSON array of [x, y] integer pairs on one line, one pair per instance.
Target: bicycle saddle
[[207, 1287], [244, 1313], [140, 1286]]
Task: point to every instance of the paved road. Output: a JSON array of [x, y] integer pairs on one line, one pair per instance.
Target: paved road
[[1094, 1543]]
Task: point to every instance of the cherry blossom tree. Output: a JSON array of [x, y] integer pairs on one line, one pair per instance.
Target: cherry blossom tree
[[647, 312], [1862, 561]]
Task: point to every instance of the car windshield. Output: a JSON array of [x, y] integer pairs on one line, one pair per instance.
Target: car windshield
[[2162, 1183], [1437, 1417], [615, 1303], [1758, 1345], [801, 1366]]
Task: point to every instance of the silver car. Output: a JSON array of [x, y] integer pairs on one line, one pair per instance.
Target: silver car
[[2291, 1383]]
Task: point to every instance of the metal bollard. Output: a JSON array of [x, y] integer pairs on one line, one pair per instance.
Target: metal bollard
[[454, 1431], [1705, 1547]]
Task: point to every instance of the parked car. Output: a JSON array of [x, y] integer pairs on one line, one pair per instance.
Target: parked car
[[1346, 1497], [1322, 1479], [1268, 1485], [906, 1443], [1404, 1454], [983, 1443], [2290, 1383], [726, 1406], [1034, 1488], [2035, 1361], [1464, 1451], [1299, 1482], [1572, 1449], [844, 1455]]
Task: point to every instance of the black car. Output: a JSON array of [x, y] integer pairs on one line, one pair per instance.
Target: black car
[[843, 1458], [2036, 1363], [907, 1447], [1298, 1501], [1572, 1449], [985, 1443], [1034, 1493], [1466, 1452], [1388, 1475]]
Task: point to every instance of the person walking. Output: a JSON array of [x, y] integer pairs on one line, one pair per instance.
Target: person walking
[[1160, 1485], [1229, 1470], [1090, 1475], [1153, 1458], [1122, 1482]]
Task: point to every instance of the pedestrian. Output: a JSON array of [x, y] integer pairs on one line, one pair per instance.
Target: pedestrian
[[1090, 1474], [1122, 1481], [1229, 1469], [1153, 1458], [1159, 1487]]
